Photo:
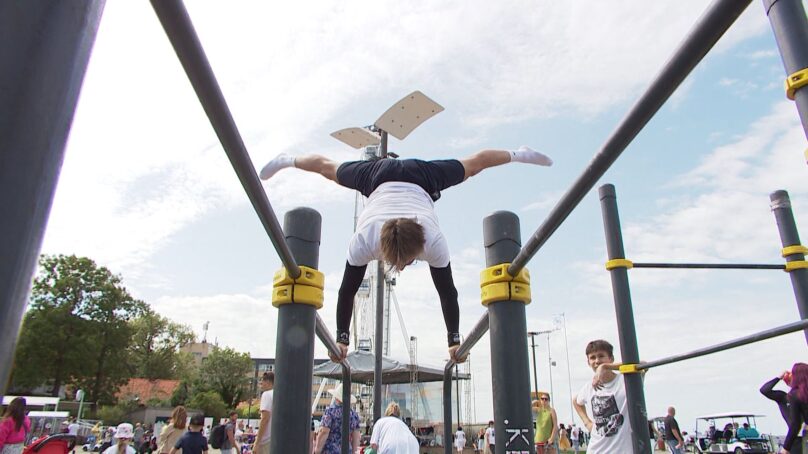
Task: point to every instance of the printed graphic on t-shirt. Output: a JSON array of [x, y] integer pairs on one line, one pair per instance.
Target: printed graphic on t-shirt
[[608, 419]]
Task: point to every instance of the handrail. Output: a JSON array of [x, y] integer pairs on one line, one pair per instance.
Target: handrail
[[711, 26], [328, 340], [180, 31]]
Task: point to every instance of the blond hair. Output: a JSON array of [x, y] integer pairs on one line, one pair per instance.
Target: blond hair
[[402, 240], [392, 410]]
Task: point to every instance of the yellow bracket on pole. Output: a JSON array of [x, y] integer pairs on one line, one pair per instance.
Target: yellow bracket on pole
[[796, 81], [497, 285], [629, 369], [619, 263], [796, 265], [795, 249], [305, 289]]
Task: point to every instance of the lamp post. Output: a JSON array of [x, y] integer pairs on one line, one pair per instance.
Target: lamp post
[[549, 358], [563, 319], [80, 398], [533, 335]]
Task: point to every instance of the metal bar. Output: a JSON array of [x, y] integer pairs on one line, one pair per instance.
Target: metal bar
[[629, 350], [718, 266], [294, 345], [752, 338], [379, 336], [789, 236], [44, 47], [790, 27], [510, 373], [712, 24], [533, 351], [383, 144], [177, 24], [331, 344]]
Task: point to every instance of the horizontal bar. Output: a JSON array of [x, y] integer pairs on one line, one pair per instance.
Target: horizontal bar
[[473, 337], [177, 24], [763, 335], [720, 266], [720, 15]]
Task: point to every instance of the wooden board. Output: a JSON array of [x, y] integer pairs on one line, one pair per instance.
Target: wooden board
[[356, 137], [407, 114]]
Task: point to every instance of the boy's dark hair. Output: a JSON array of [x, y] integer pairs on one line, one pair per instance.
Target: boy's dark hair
[[600, 345], [197, 420], [268, 376], [234, 412]]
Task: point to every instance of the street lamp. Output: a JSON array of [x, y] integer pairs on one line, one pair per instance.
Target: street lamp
[[533, 335], [563, 318], [549, 358]]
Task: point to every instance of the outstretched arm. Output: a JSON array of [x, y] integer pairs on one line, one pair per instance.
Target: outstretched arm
[[444, 284], [351, 280]]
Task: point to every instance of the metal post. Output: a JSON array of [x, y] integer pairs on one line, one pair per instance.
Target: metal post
[[457, 388], [550, 368], [629, 350], [294, 351], [711, 26], [790, 26], [377, 364], [44, 47], [328, 340], [781, 206], [532, 335], [510, 374]]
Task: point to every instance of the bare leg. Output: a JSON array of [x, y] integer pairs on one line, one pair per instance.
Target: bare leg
[[484, 159], [318, 164]]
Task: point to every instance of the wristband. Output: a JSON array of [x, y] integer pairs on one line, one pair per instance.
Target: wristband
[[344, 337], [454, 339]]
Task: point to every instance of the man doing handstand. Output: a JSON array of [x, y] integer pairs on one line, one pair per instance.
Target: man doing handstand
[[398, 224]]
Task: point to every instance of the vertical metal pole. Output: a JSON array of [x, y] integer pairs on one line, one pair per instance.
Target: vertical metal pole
[[790, 26], [294, 351], [550, 368], [378, 347], [629, 350], [457, 388], [533, 349], [44, 47], [781, 206], [383, 144], [569, 375], [510, 374]]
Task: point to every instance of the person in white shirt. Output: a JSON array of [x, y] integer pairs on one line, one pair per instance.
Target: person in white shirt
[[263, 436], [460, 440], [398, 224], [123, 436], [390, 434]]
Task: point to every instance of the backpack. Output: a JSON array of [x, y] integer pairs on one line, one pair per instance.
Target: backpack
[[217, 436]]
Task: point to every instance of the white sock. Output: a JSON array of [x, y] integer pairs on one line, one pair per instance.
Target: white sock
[[530, 156], [281, 161]]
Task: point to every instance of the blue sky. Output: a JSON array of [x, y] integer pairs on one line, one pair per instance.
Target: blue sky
[[147, 191]]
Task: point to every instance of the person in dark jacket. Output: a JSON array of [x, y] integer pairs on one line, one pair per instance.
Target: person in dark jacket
[[793, 404]]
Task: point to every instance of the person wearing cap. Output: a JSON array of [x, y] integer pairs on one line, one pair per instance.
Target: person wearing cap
[[398, 223], [329, 438], [390, 434], [192, 442], [123, 437]]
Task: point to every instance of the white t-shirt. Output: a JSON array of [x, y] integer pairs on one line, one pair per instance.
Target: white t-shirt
[[266, 405], [393, 437], [73, 429], [489, 433], [397, 200], [608, 410], [114, 449], [460, 439]]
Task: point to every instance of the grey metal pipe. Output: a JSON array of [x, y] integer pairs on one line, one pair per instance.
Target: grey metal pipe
[[44, 47], [510, 373], [629, 350], [789, 236], [718, 266], [331, 344], [711, 25], [294, 346], [471, 340], [377, 343], [177, 25], [790, 26], [750, 339]]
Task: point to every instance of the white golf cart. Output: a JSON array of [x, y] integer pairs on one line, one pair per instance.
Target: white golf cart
[[711, 436]]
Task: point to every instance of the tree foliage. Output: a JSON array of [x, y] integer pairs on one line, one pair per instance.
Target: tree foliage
[[210, 403], [227, 373], [154, 347]]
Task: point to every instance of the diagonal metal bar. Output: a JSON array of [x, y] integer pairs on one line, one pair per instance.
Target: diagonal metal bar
[[710, 27], [177, 25]]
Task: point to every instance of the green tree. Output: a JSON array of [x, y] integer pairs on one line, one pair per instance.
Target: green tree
[[155, 347], [226, 372], [211, 403]]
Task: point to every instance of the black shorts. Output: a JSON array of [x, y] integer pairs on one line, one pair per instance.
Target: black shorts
[[431, 176]]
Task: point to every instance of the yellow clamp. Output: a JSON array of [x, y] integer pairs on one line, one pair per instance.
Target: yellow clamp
[[619, 263], [795, 249], [796, 81], [497, 285], [629, 369], [796, 265], [305, 289]]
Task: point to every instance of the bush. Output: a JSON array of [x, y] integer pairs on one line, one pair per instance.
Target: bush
[[111, 414], [211, 403]]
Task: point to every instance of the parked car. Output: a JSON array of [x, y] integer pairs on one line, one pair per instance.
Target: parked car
[[712, 438]]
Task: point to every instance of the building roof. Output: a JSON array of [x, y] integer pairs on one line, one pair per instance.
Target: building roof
[[145, 389]]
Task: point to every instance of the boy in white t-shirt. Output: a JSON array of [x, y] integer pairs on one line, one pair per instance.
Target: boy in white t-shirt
[[261, 445], [602, 403], [398, 224]]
